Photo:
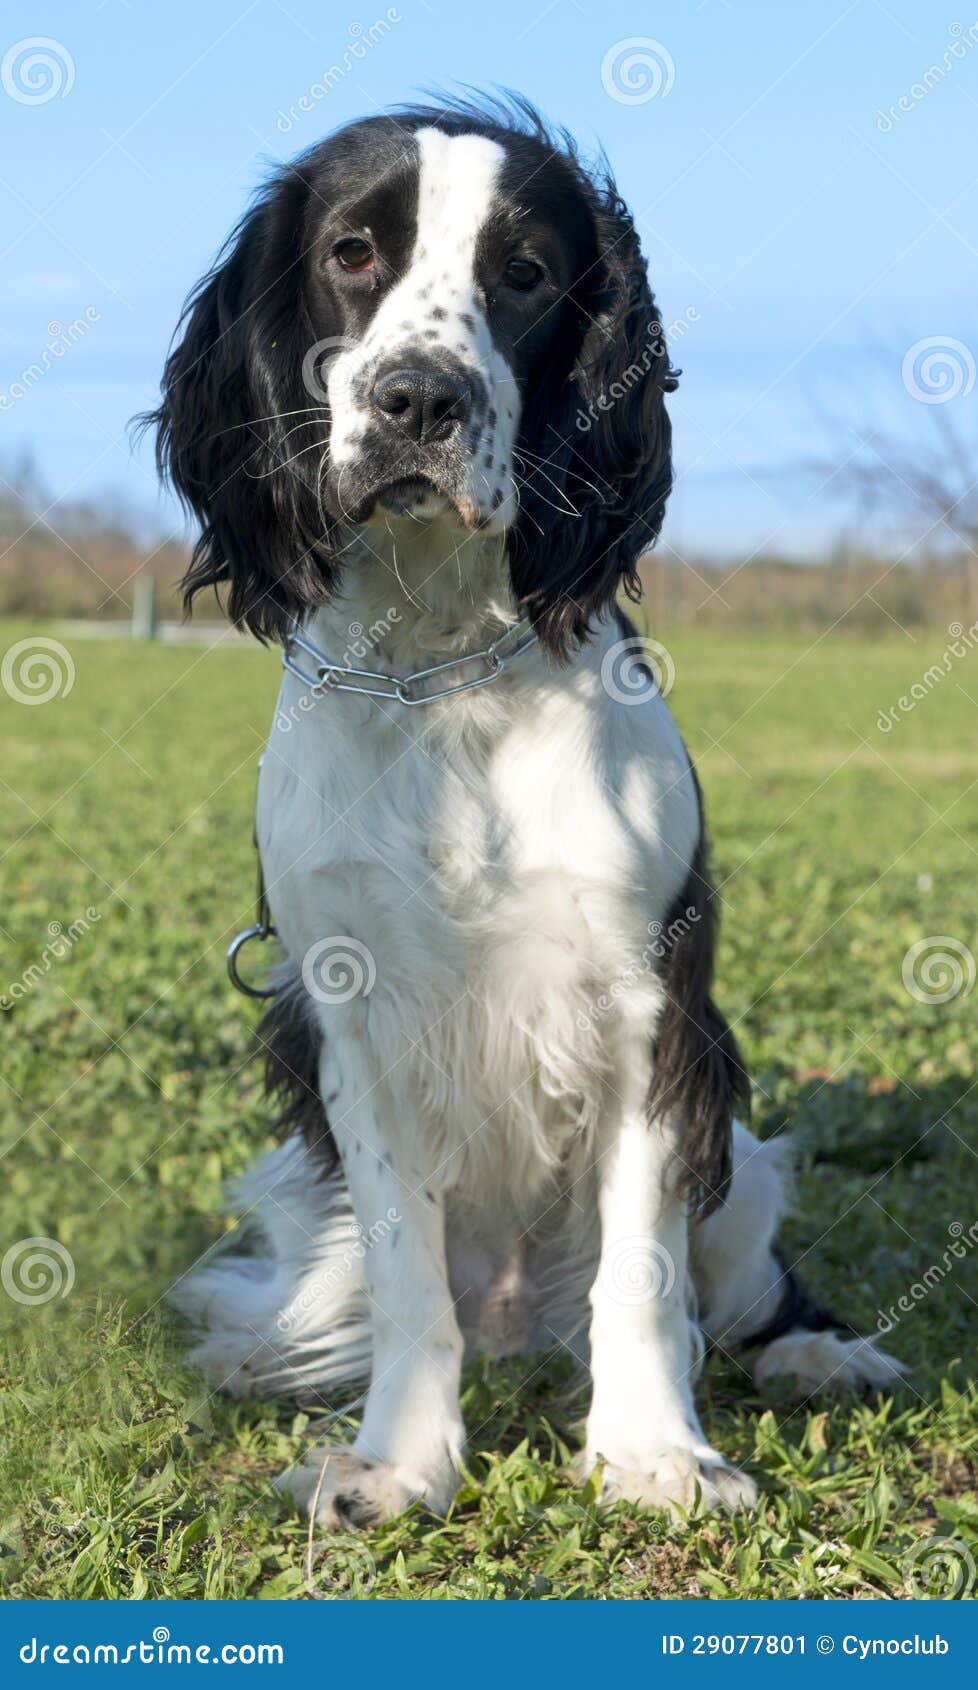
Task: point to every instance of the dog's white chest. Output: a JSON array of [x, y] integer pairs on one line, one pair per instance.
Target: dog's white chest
[[494, 884]]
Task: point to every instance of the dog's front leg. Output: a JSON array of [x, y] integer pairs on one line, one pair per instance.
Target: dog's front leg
[[411, 1435], [645, 1349]]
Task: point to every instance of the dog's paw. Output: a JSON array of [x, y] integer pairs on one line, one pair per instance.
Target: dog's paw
[[812, 1362], [355, 1493], [685, 1481]]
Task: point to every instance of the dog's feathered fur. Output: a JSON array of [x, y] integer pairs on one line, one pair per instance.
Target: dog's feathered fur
[[533, 1095]]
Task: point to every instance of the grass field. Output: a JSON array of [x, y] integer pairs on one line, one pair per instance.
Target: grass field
[[126, 1104]]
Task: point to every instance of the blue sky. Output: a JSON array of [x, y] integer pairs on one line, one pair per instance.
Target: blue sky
[[806, 240]]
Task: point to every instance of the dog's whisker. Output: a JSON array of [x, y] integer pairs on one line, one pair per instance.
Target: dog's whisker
[[546, 463], [567, 510], [318, 411], [284, 463]]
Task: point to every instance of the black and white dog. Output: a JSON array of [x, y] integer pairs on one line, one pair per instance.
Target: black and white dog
[[417, 408]]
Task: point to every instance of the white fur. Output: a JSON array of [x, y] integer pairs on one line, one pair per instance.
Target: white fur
[[293, 1318], [740, 1282], [498, 859], [825, 1361], [492, 863], [469, 890]]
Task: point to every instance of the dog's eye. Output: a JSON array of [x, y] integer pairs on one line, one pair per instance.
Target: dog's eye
[[354, 254], [522, 274]]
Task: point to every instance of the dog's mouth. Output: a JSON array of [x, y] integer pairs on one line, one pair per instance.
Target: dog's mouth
[[416, 496], [419, 486], [419, 498]]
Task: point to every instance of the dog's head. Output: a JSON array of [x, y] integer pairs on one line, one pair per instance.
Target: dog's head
[[434, 314]]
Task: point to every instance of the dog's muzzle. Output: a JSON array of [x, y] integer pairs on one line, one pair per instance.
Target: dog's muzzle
[[423, 406]]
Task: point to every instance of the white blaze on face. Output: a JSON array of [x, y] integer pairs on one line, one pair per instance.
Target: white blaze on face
[[437, 308]]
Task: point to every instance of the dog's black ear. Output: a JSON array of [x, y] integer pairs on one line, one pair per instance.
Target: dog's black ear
[[234, 419], [597, 500]]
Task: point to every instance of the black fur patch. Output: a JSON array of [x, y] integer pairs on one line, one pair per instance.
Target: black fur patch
[[291, 1044], [357, 1510], [260, 482], [798, 1312], [697, 1068]]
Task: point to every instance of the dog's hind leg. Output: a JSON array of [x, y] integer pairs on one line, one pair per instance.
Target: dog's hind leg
[[749, 1298]]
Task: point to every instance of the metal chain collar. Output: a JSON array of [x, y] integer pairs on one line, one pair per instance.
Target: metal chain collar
[[419, 688]]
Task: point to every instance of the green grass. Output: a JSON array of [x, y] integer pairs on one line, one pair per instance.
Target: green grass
[[126, 1105]]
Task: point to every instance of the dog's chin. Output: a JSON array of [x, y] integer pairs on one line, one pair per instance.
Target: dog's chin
[[415, 498]]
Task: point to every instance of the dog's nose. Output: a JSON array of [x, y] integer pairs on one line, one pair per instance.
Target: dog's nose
[[422, 404]]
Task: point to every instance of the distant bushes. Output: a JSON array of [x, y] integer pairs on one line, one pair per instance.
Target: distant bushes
[[862, 594], [80, 560], [83, 575], [76, 559]]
